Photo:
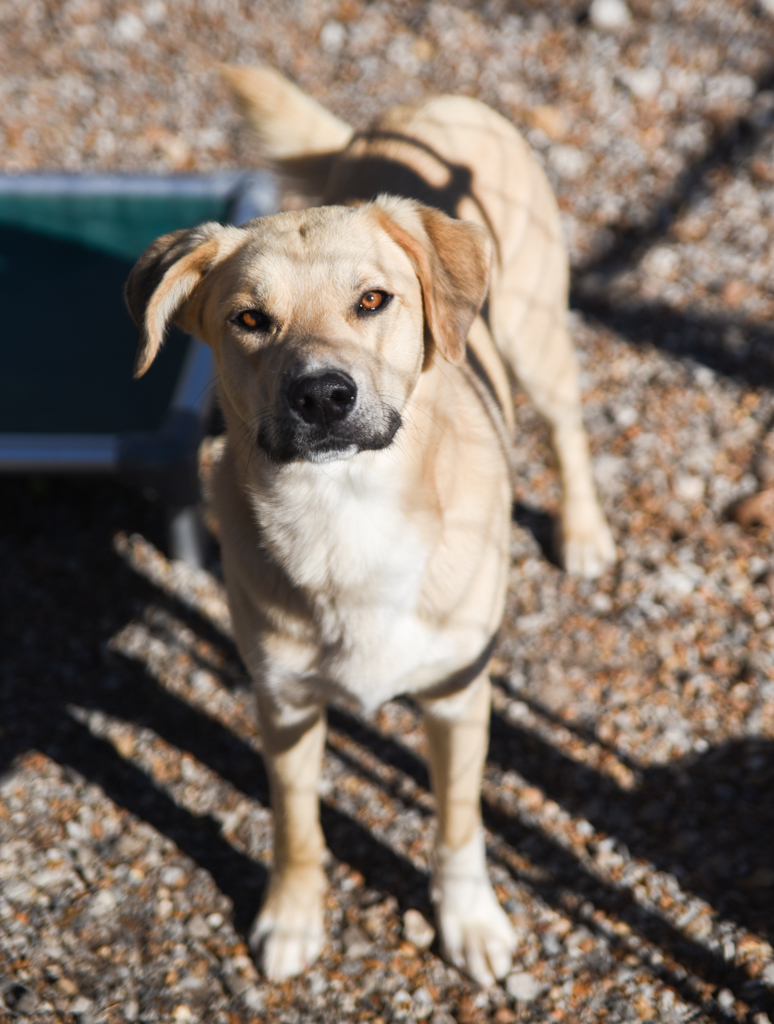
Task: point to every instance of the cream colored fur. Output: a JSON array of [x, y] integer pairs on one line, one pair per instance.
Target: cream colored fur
[[286, 122], [365, 559]]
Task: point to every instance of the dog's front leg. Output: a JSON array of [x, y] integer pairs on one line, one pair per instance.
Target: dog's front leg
[[475, 932], [288, 933]]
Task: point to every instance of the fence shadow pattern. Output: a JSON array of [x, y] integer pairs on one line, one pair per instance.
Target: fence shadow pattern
[[589, 867], [559, 832]]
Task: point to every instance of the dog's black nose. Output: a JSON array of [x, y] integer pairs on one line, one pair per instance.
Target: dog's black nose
[[323, 400]]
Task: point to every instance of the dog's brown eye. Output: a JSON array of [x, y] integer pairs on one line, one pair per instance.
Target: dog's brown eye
[[370, 302], [253, 320]]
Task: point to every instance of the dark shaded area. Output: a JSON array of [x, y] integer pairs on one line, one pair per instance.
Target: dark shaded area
[[670, 819], [381, 867], [732, 143], [688, 333], [542, 526], [56, 539], [366, 177], [19, 999], [478, 367], [236, 875], [708, 819], [708, 340], [384, 747], [355, 176], [69, 342], [567, 886]]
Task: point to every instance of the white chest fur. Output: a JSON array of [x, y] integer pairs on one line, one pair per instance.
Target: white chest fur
[[341, 533]]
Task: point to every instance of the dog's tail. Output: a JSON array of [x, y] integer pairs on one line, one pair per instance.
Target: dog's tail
[[294, 134]]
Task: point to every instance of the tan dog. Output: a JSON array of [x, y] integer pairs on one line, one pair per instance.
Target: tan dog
[[363, 495]]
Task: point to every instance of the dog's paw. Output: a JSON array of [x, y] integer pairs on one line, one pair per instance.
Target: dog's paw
[[288, 933], [588, 548], [475, 933]]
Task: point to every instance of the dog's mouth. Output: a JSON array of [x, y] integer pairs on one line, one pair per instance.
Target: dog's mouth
[[322, 418], [285, 441]]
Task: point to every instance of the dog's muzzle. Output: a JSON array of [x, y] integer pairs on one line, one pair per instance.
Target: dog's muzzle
[[321, 417]]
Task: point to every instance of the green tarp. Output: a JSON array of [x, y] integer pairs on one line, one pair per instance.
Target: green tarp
[[66, 339]]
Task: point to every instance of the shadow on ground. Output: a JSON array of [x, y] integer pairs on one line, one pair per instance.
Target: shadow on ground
[[708, 819], [711, 340]]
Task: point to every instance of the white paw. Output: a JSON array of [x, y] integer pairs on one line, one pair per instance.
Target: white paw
[[588, 547], [475, 933], [288, 934]]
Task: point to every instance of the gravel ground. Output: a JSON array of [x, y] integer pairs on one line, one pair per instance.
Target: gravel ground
[[627, 793]]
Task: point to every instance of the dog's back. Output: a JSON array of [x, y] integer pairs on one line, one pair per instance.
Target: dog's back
[[457, 155]]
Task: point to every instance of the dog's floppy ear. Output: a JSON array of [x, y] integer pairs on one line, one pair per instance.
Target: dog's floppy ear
[[164, 279], [451, 259]]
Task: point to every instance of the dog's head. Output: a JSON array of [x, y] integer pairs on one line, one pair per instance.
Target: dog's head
[[322, 320]]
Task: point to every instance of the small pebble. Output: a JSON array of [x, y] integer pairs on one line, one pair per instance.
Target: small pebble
[[442, 1017], [355, 942], [422, 1003], [198, 927], [81, 1008], [131, 1009], [521, 985], [418, 930], [20, 999], [609, 15], [725, 999]]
